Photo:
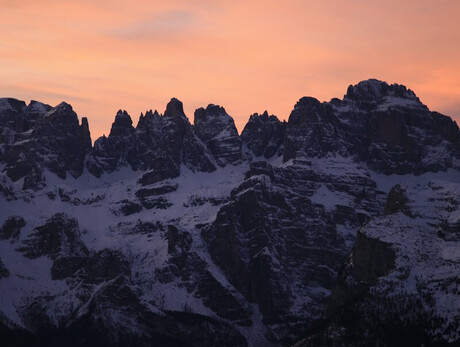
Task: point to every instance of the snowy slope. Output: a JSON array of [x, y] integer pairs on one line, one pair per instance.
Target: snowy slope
[[178, 234]]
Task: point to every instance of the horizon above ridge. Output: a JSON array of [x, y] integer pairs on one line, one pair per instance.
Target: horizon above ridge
[[370, 86], [99, 57]]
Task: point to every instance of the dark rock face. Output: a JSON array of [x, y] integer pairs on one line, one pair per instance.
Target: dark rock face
[[17, 120], [119, 148], [38, 136], [179, 143], [218, 132], [106, 265], [60, 132], [314, 131], [103, 266], [194, 274], [58, 237], [270, 239], [398, 133], [177, 239], [114, 316], [12, 227], [3, 270], [159, 145], [397, 201], [146, 192], [384, 125], [128, 208], [373, 91], [369, 260], [263, 135], [380, 297]]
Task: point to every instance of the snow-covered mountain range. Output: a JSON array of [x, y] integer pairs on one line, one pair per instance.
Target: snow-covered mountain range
[[321, 229]]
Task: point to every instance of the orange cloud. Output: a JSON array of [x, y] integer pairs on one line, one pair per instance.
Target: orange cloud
[[247, 56]]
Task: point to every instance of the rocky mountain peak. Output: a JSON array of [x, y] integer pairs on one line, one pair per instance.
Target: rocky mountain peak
[[312, 109], [313, 130], [263, 134], [374, 91], [368, 90], [217, 130], [307, 101], [63, 105], [62, 114], [36, 108], [122, 114], [211, 121], [175, 108], [11, 104], [151, 114], [123, 125], [85, 135], [150, 124]]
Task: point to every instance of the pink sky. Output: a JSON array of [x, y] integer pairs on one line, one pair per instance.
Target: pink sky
[[247, 56]]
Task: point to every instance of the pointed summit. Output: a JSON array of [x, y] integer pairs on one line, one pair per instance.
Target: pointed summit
[[175, 108], [123, 125], [263, 134], [62, 113], [218, 132], [85, 136]]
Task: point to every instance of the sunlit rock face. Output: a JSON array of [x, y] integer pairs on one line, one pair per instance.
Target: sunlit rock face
[[168, 233]]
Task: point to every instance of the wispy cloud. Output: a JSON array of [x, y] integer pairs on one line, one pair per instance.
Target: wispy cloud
[[248, 56]]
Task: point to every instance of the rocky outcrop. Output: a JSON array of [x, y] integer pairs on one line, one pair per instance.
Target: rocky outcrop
[[397, 201], [218, 132], [177, 239], [61, 141], [58, 237], [155, 191], [17, 120], [269, 239], [158, 145], [187, 266], [314, 131], [11, 228], [119, 148], [45, 138], [263, 135], [3, 270], [369, 260], [397, 132], [399, 284]]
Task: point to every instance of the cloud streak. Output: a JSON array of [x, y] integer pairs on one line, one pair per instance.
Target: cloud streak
[[247, 56]]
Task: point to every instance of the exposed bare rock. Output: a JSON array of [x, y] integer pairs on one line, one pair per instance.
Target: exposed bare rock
[[263, 135], [12, 227], [218, 132], [58, 237]]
